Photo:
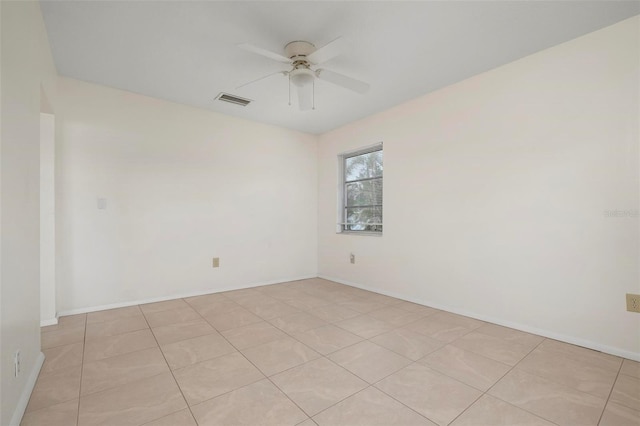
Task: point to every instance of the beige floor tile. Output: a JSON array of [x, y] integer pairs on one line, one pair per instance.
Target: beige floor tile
[[327, 339], [370, 407], [62, 337], [324, 294], [283, 295], [278, 291], [63, 414], [585, 377], [490, 411], [119, 345], [382, 298], [408, 343], [307, 302], [54, 388], [255, 301], [255, 298], [271, 310], [258, 404], [99, 330], [369, 361], [440, 330], [119, 370], [339, 297], [216, 307], [357, 293], [317, 385], [126, 380], [619, 415], [72, 320], [581, 354], [232, 319], [279, 355], [435, 396], [241, 294], [114, 314], [132, 404], [206, 299], [181, 331], [172, 316], [626, 392], [362, 306], [214, 377], [395, 316], [191, 351], [179, 418], [415, 307], [511, 335], [168, 305], [457, 319], [252, 335], [631, 368], [551, 401], [509, 353], [365, 326], [66, 321], [61, 357], [467, 367], [298, 322], [333, 313]]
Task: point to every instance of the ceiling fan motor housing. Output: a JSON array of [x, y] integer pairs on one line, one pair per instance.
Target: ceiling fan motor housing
[[299, 50]]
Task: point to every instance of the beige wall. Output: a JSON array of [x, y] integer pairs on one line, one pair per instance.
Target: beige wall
[[495, 192], [47, 220], [26, 67], [182, 185]]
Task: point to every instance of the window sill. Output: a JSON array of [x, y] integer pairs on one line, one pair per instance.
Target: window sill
[[362, 233]]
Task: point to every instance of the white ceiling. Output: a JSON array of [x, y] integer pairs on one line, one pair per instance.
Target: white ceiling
[[186, 51]]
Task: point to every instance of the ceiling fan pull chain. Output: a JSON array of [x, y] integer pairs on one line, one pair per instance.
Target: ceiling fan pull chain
[[313, 90], [289, 89]]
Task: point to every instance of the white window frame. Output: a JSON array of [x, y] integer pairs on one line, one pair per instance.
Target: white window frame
[[342, 193]]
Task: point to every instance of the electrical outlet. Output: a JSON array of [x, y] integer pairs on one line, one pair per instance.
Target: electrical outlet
[[216, 262], [633, 302], [16, 364], [352, 258]]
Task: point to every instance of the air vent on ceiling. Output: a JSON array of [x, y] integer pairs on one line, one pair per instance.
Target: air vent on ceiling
[[225, 97]]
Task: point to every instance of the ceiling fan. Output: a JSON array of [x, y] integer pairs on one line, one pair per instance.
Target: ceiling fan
[[303, 56]]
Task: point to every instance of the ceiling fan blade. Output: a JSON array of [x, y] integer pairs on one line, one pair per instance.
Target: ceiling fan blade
[[262, 78], [264, 52], [343, 81], [305, 97], [328, 51]]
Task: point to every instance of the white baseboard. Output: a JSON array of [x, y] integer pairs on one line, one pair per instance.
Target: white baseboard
[[522, 327], [26, 392], [179, 296], [52, 321]]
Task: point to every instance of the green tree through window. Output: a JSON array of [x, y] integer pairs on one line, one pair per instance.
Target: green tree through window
[[362, 179]]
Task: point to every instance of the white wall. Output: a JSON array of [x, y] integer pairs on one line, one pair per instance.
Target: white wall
[[26, 67], [495, 191], [182, 185], [47, 220]]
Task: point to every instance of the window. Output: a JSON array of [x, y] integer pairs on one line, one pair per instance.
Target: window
[[361, 207]]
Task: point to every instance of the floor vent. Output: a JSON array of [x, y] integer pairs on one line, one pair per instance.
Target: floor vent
[[225, 97]]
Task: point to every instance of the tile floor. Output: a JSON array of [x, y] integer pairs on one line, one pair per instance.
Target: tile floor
[[317, 352]]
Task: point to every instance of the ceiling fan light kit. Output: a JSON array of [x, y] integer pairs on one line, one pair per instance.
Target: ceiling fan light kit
[[302, 76], [301, 56]]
